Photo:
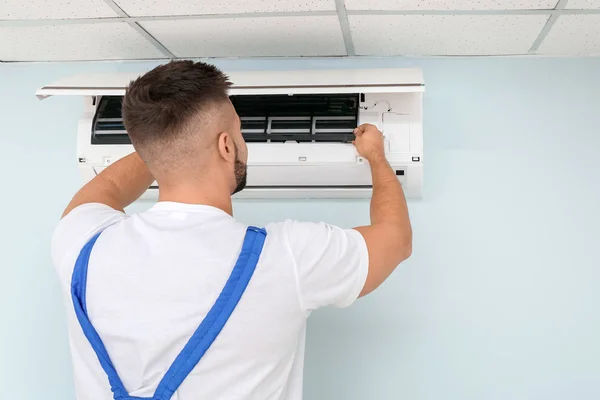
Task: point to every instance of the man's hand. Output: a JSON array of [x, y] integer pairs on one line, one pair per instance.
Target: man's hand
[[369, 142]]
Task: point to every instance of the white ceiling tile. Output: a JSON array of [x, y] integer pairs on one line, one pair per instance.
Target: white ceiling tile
[[573, 35], [98, 41], [248, 37], [449, 4], [583, 4], [195, 7], [55, 9], [388, 35]]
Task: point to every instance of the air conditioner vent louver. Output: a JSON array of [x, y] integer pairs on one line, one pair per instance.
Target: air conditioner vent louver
[[265, 118]]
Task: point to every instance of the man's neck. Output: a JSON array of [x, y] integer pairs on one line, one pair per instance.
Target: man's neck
[[197, 194]]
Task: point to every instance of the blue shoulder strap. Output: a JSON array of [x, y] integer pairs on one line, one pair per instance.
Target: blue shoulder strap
[[202, 338]]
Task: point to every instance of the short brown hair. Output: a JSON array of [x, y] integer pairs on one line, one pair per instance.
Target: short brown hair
[[159, 104]]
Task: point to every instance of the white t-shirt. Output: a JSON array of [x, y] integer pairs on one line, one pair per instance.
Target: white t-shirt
[[153, 276]]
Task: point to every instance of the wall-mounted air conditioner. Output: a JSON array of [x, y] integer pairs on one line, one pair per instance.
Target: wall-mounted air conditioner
[[297, 124]]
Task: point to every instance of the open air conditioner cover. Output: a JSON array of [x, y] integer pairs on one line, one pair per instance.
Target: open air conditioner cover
[[379, 80]]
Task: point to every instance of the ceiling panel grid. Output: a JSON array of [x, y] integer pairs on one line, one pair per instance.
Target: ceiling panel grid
[[64, 30]]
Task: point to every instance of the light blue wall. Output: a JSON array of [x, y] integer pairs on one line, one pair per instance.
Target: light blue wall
[[501, 299]]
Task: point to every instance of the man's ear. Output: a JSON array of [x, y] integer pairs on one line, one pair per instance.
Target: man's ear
[[226, 147]]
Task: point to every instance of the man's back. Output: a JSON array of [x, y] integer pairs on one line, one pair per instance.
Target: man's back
[[143, 287], [154, 276]]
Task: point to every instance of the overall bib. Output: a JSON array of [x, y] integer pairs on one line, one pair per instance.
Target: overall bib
[[201, 339]]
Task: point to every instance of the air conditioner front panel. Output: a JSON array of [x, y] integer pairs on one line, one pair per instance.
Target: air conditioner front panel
[[301, 153], [309, 175], [288, 193], [305, 193], [303, 182]]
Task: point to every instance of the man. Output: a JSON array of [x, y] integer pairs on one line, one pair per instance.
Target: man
[[153, 277]]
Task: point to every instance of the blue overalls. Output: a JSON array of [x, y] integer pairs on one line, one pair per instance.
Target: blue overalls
[[201, 339]]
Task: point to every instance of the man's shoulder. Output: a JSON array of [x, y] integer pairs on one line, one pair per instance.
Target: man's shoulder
[[305, 233], [291, 226], [77, 227]]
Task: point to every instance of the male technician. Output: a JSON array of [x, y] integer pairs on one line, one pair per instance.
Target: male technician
[[139, 288]]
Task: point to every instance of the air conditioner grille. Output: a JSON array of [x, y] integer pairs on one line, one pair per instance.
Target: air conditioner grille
[[265, 118], [108, 127], [299, 118]]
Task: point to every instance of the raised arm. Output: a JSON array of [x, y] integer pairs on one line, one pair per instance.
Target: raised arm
[[117, 186], [389, 237]]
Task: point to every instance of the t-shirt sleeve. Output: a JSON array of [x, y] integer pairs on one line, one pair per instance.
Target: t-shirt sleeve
[[331, 263], [79, 226]]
